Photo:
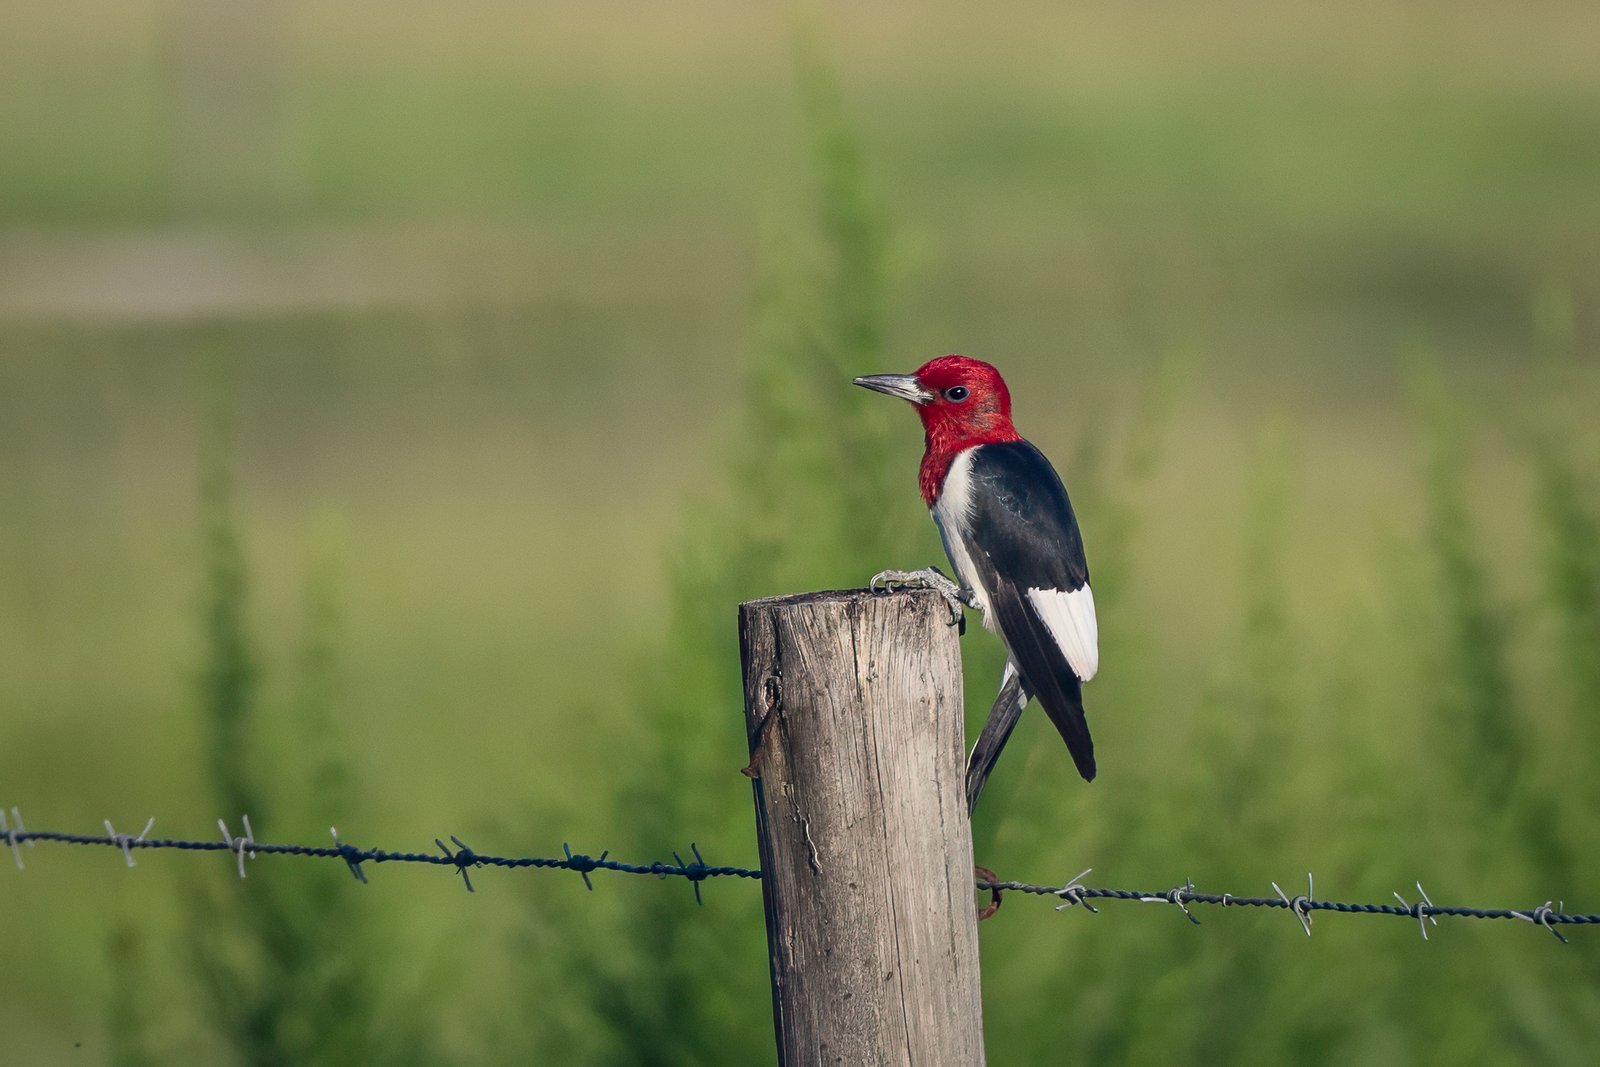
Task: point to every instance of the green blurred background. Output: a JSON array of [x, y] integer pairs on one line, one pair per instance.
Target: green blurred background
[[396, 400]]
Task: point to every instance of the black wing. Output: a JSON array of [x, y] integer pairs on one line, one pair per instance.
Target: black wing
[[1024, 536]]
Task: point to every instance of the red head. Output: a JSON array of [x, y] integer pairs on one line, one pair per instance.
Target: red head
[[962, 402]]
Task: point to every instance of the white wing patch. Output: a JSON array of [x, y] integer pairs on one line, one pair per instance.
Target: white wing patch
[[1070, 619]]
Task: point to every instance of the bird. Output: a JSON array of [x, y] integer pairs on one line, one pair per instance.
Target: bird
[[1013, 540]]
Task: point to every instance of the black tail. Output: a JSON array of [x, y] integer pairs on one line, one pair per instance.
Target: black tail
[[1064, 705], [996, 731]]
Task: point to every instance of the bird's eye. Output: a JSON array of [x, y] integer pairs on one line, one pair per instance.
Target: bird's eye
[[956, 394]]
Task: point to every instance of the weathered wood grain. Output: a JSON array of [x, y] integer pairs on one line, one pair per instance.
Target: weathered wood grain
[[866, 852]]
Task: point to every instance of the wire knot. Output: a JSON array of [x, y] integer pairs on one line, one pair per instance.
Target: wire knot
[[696, 872], [1073, 893], [1301, 906], [463, 858], [577, 861], [240, 846], [127, 841], [1177, 895], [350, 854], [1421, 911], [1541, 915], [11, 833]]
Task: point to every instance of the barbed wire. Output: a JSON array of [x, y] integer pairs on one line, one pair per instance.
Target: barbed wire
[[463, 858], [1424, 911]]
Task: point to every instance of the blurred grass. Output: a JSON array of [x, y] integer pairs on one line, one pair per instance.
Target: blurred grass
[[487, 283]]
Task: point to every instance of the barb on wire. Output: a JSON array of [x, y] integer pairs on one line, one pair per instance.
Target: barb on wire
[[1422, 909], [350, 854], [463, 857], [695, 872], [127, 841], [1301, 906], [1543, 915], [583, 864], [1175, 896], [1073, 892], [13, 833], [242, 846]]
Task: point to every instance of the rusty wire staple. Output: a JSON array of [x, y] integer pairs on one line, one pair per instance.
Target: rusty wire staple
[[988, 910]]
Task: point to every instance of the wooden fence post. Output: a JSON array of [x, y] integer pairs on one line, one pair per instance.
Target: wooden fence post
[[853, 707]]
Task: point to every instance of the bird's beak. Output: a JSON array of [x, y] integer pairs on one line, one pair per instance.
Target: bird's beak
[[903, 386]]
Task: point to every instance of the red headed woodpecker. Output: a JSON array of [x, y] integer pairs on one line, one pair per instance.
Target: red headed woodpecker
[[1011, 535]]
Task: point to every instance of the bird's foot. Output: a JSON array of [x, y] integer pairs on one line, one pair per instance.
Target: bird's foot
[[927, 578]]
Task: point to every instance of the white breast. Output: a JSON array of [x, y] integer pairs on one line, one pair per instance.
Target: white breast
[[951, 513]]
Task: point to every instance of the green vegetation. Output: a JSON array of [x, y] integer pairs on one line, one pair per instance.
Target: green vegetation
[[256, 949], [539, 333]]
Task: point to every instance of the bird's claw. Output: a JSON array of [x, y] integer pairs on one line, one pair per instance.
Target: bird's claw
[[927, 578]]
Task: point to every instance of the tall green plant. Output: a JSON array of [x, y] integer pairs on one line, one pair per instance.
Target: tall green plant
[[229, 678], [281, 959], [1565, 493], [1571, 524], [132, 1015], [1565, 503], [1508, 815], [1474, 694]]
